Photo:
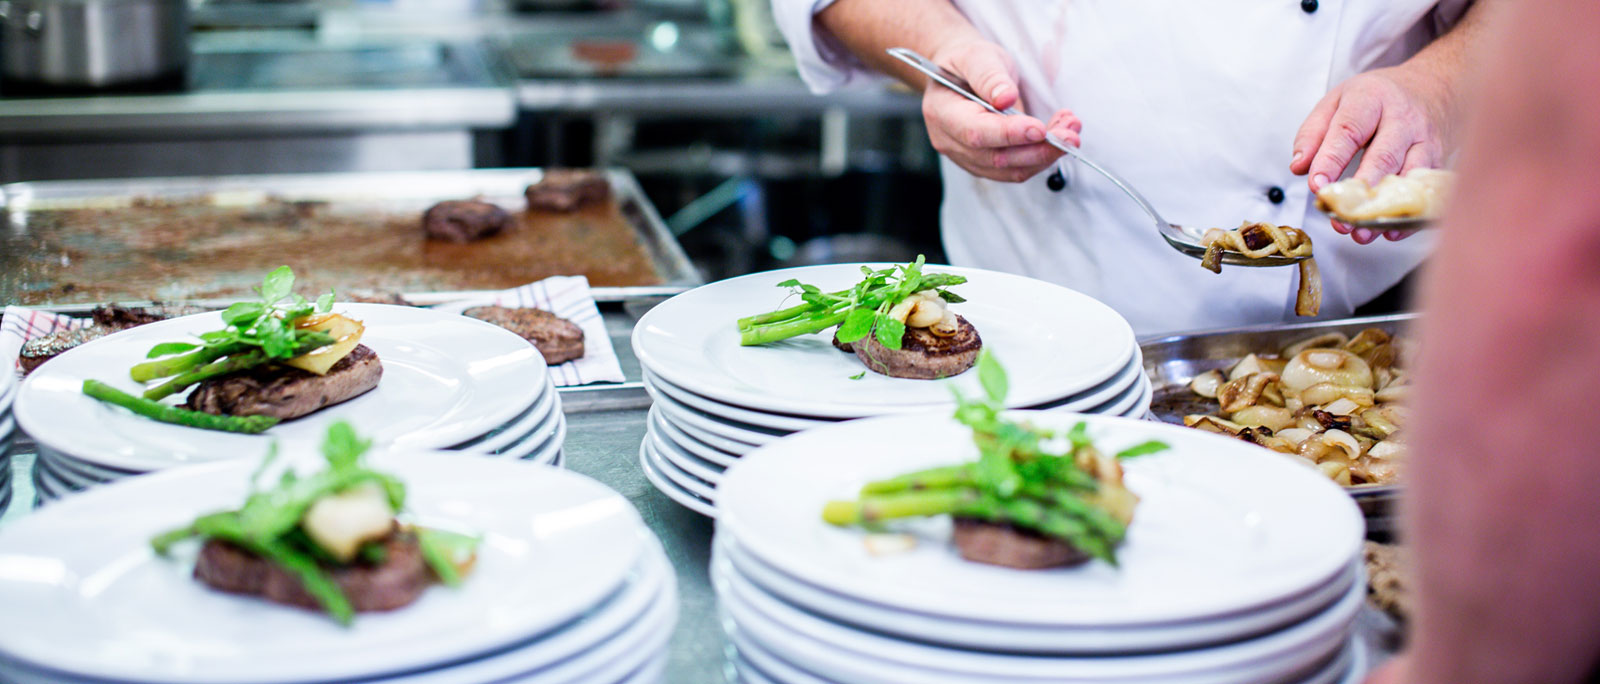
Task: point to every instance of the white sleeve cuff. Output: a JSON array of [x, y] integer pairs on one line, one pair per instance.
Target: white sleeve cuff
[[824, 64]]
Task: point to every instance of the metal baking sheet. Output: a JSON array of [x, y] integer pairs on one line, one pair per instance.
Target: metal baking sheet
[[1172, 361], [214, 237]]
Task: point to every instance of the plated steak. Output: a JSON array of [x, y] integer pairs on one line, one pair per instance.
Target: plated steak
[[394, 583], [285, 392], [564, 190], [557, 338], [923, 355], [1005, 545], [463, 221]]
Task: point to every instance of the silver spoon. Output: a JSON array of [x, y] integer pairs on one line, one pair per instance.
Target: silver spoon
[[1185, 240]]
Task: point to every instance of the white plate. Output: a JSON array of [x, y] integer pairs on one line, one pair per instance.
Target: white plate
[[732, 447], [544, 438], [993, 636], [517, 428], [674, 434], [1221, 527], [555, 544], [680, 457], [90, 470], [841, 653], [649, 595], [8, 425], [759, 666], [671, 489], [694, 485], [754, 435], [692, 341], [774, 421], [446, 378], [1349, 667], [1104, 391]]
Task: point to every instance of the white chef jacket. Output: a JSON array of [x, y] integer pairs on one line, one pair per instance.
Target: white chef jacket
[[1197, 105]]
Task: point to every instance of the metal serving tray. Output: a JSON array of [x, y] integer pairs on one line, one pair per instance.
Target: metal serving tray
[[1172, 361], [350, 231]]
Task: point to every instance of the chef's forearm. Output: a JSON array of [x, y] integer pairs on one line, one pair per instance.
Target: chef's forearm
[[1442, 70], [869, 27], [1502, 508]]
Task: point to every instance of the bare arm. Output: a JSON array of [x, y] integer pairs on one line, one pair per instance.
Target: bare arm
[[1504, 513], [1405, 116], [988, 145]]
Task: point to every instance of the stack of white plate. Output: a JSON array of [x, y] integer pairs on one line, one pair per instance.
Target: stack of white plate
[[449, 382], [8, 432], [716, 401], [1238, 567], [569, 586]]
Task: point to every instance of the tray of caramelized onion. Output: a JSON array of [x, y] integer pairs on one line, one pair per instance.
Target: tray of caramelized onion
[[1332, 393]]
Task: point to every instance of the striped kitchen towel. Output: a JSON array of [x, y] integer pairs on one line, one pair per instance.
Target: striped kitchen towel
[[569, 298], [21, 324]]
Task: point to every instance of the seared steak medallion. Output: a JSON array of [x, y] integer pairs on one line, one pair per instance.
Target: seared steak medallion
[[285, 392], [564, 190], [108, 319], [394, 583], [119, 317], [557, 338], [463, 221], [923, 355], [1005, 545], [41, 349]]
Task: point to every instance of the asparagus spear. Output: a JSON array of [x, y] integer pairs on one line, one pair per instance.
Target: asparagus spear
[[231, 364], [175, 415], [1025, 512], [229, 527], [161, 368], [872, 298]]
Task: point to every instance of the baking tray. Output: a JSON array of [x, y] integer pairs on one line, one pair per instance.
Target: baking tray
[[1172, 361], [185, 239]]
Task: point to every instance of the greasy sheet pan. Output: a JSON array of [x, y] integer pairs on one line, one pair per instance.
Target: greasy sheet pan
[[197, 238]]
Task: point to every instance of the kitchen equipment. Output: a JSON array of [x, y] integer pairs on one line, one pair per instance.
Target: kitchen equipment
[[1172, 361], [1186, 240], [93, 44], [618, 244]]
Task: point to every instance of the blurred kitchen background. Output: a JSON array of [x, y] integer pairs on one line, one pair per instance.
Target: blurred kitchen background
[[698, 98]]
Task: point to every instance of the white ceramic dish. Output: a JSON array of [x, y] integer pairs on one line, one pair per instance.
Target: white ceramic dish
[[672, 490], [446, 379], [754, 664], [1001, 637], [519, 428], [772, 421], [739, 432], [676, 435], [862, 655], [555, 544], [734, 448], [688, 462], [694, 485], [1221, 527], [644, 607], [691, 341]]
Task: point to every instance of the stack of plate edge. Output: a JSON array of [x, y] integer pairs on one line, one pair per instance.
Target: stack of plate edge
[[537, 434], [8, 433], [623, 637], [781, 629], [690, 439]]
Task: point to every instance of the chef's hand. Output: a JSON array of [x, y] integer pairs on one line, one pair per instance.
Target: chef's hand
[[1396, 114], [994, 146]]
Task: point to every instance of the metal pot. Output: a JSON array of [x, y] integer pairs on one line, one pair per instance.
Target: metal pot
[[93, 44]]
